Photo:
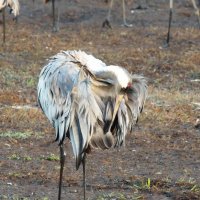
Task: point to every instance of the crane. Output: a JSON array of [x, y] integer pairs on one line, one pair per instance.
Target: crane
[[107, 20], [90, 103], [14, 9], [197, 12]]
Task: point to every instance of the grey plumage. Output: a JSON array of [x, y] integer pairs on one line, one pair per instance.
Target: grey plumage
[[92, 104]]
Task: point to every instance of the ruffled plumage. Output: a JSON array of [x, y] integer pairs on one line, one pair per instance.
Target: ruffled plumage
[[78, 93]]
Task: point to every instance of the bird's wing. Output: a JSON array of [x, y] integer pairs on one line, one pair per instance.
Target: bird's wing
[[130, 108], [136, 96], [122, 126], [55, 85]]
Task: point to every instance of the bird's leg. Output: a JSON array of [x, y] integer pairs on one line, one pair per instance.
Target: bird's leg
[[106, 23], [197, 12], [84, 176], [124, 15], [54, 17], [109, 11], [170, 20], [62, 162], [53, 13], [58, 18], [31, 15], [4, 25]]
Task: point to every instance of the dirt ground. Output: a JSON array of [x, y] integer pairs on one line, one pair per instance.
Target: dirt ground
[[161, 160]]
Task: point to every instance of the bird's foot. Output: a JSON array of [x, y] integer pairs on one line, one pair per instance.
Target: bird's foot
[[139, 7], [106, 24], [125, 24], [55, 29], [165, 45]]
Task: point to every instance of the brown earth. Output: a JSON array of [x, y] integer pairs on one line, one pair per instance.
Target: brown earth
[[161, 160]]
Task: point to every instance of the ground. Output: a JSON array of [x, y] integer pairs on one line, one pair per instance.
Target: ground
[[161, 159]]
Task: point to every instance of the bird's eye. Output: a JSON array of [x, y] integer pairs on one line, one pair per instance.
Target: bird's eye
[[129, 85]]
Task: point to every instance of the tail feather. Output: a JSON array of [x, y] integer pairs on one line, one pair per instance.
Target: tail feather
[[85, 114], [137, 96], [77, 142], [102, 140]]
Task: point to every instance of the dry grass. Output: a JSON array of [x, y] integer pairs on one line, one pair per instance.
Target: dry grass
[[165, 144]]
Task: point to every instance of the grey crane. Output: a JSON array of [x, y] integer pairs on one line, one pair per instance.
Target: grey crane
[[197, 12], [90, 103], [107, 20], [14, 9]]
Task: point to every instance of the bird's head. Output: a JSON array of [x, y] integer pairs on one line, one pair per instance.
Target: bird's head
[[122, 75]]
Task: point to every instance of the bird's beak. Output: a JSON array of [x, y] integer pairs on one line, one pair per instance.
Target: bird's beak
[[117, 104]]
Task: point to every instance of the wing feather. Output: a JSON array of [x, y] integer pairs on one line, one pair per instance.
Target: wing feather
[[86, 112], [136, 97]]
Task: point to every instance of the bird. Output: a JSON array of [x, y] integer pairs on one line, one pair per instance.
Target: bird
[[92, 104], [14, 9], [197, 12], [106, 22]]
